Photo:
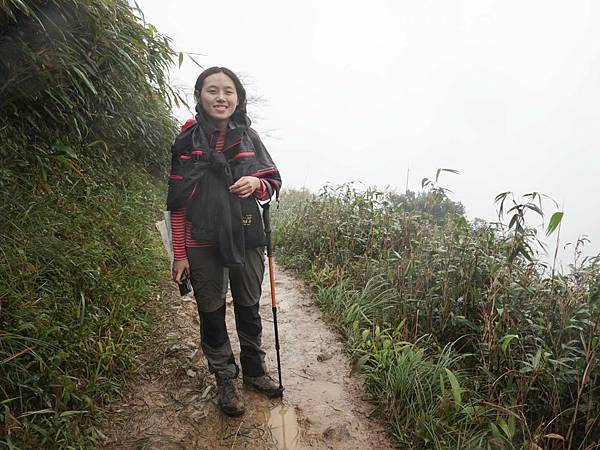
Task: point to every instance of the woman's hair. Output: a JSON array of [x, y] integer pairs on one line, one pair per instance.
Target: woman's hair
[[240, 110]]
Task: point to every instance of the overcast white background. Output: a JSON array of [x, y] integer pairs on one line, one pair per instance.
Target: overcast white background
[[506, 92]]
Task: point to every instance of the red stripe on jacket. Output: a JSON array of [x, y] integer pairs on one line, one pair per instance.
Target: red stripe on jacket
[[263, 172], [242, 154]]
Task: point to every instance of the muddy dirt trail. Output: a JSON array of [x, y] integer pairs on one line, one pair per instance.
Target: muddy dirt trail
[[171, 403]]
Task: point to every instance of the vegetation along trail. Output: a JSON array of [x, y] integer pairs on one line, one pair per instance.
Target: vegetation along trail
[[171, 403]]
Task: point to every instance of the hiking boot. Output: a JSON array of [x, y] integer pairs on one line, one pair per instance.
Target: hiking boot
[[264, 384], [230, 399]]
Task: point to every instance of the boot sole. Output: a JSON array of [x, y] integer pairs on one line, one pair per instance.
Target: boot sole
[[233, 412]]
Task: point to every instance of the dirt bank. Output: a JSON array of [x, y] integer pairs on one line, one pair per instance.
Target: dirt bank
[[171, 403]]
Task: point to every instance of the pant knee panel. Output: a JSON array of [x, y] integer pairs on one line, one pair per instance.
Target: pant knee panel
[[214, 328]]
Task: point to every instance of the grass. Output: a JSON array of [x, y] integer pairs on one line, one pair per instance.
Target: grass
[[466, 339], [80, 271]]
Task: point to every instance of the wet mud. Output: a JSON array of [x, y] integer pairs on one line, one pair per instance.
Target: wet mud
[[171, 403]]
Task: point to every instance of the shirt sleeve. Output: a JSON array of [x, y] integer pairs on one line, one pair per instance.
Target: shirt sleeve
[[264, 191], [178, 234]]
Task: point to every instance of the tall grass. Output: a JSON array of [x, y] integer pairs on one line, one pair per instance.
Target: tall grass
[[80, 270], [465, 338], [86, 122]]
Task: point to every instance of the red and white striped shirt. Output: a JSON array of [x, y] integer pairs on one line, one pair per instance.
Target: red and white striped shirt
[[181, 229]]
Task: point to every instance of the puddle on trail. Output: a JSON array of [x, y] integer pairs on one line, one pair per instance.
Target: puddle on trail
[[283, 425]]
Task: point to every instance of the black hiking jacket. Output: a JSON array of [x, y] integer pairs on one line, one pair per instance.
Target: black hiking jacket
[[200, 179]]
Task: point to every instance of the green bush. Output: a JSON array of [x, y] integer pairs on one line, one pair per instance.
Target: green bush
[[81, 78], [86, 127], [80, 268], [465, 338]]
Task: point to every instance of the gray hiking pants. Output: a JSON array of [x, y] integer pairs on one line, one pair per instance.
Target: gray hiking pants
[[210, 280]]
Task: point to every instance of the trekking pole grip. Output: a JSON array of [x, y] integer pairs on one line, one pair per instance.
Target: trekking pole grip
[[267, 223]]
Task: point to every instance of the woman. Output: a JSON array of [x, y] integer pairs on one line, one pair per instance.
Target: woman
[[219, 170]]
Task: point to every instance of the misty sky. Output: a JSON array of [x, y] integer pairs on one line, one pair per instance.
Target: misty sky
[[506, 92]]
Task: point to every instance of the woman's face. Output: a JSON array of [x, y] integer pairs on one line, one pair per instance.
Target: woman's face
[[219, 97]]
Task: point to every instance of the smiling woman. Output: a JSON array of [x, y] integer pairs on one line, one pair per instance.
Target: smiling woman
[[219, 99], [220, 168]]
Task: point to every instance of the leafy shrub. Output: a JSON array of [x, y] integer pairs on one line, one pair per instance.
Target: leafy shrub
[[420, 297], [80, 268], [86, 123]]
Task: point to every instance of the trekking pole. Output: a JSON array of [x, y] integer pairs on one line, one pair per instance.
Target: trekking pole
[[267, 222]]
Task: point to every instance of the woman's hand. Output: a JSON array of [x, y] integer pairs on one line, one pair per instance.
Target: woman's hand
[[245, 186], [180, 266]]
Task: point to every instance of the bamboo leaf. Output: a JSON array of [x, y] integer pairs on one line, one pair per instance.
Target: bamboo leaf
[[555, 221], [63, 150], [501, 196], [455, 387], [439, 171], [555, 436], [85, 80], [537, 358], [72, 413], [534, 208], [506, 340], [360, 363], [504, 427], [33, 413], [495, 431], [195, 62]]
